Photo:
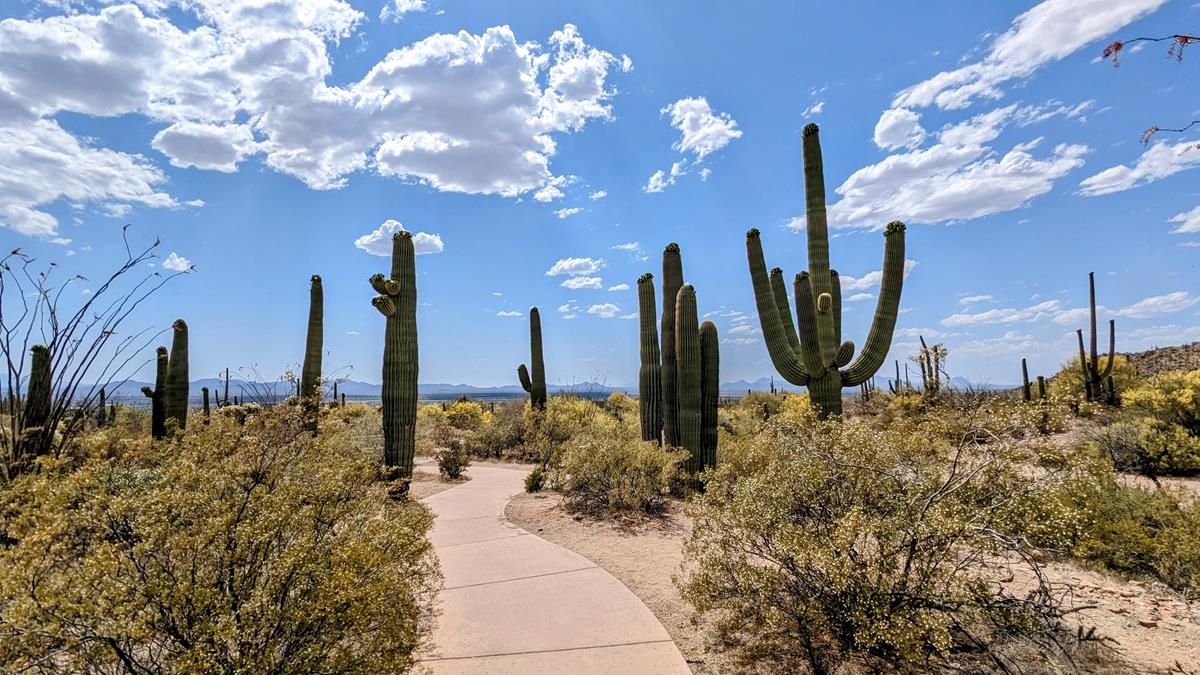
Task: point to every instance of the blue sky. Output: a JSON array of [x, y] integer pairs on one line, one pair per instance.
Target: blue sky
[[261, 140]]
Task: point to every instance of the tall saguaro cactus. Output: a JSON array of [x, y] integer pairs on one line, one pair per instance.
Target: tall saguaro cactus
[[650, 387], [1095, 377], [157, 395], [177, 376], [672, 281], [310, 374], [710, 390], [35, 437], [687, 375], [816, 357], [397, 300], [534, 382]]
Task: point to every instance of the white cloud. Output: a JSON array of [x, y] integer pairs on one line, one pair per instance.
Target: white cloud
[[575, 267], [1189, 222], [548, 193], [395, 10], [510, 313], [379, 242], [567, 213], [1041, 310], [634, 249], [195, 203], [236, 79], [899, 128], [958, 178], [176, 263], [739, 341], [619, 287], [1011, 342], [1158, 305], [974, 299], [703, 132], [351, 332], [1048, 32], [598, 194], [1158, 161], [872, 279], [859, 297], [744, 329], [659, 181], [631, 316], [604, 311], [814, 109], [576, 283]]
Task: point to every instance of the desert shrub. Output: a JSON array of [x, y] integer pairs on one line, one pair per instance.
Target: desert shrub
[[1158, 431], [1171, 398], [350, 411], [233, 548], [535, 481], [430, 417], [453, 460], [612, 471], [822, 544], [621, 406], [503, 433], [1069, 379], [466, 415]]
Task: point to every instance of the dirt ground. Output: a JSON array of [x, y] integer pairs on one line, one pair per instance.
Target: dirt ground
[[426, 481], [1149, 626]]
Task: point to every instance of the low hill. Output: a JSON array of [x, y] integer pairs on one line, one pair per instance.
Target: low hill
[[1162, 359]]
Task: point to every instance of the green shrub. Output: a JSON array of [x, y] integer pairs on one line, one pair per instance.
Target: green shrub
[[453, 460], [821, 544], [466, 415], [614, 471], [1069, 379], [1171, 398], [253, 548], [535, 480], [503, 434]]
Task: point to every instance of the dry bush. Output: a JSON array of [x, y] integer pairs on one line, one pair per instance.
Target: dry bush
[[614, 471], [236, 547], [820, 544]]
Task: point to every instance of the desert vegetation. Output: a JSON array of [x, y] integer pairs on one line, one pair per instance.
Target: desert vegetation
[[848, 528]]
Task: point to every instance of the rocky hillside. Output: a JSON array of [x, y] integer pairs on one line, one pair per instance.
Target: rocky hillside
[[1180, 357]]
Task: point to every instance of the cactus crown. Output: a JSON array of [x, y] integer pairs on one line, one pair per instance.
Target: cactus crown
[[646, 278], [893, 227], [161, 351], [777, 271], [810, 129], [402, 234], [671, 248], [752, 233], [316, 278], [178, 324]]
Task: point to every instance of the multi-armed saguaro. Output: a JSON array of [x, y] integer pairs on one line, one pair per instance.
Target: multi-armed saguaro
[[1095, 377], [688, 375], [310, 375], [397, 300], [815, 358], [650, 392], [535, 382]]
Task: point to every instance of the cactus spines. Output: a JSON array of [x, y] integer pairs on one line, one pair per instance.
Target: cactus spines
[[687, 376], [310, 374], [534, 382], [672, 282], [177, 376], [1094, 377], [815, 357], [650, 396], [157, 395], [204, 401], [398, 302], [710, 368], [1026, 392]]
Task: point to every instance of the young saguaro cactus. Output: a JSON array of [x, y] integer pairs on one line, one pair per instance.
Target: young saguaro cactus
[[157, 395], [1095, 377], [310, 374], [177, 376], [710, 392], [697, 377], [650, 394], [397, 300], [35, 437], [534, 382], [817, 357]]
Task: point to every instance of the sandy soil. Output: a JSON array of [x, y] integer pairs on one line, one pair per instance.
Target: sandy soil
[[1150, 627], [426, 481]]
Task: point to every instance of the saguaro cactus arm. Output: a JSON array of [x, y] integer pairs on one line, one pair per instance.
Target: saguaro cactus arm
[[523, 376], [887, 308], [783, 345], [808, 323]]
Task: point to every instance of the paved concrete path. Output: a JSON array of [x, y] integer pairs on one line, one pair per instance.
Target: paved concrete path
[[514, 603]]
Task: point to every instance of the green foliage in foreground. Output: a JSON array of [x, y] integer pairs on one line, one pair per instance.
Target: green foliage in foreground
[[823, 543], [614, 471], [232, 548]]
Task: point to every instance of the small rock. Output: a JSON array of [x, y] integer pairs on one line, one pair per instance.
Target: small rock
[[1148, 623], [1118, 610]]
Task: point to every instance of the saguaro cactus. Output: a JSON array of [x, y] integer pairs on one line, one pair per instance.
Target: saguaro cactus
[[1026, 392], [157, 395], [816, 356], [204, 401], [397, 300], [177, 376], [710, 392], [102, 409], [535, 382], [310, 374], [650, 394], [226, 387], [35, 437], [672, 282], [1095, 377], [687, 376]]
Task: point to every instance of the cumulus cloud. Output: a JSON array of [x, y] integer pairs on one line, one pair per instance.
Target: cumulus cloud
[[463, 112], [396, 9], [974, 299], [1011, 342], [598, 194], [660, 180], [1149, 307], [176, 263], [873, 278], [1048, 32], [604, 311], [1041, 310], [703, 132], [1158, 161], [1189, 222], [510, 313], [634, 249], [859, 297], [379, 242], [899, 128], [574, 267], [619, 287], [567, 213], [576, 283]]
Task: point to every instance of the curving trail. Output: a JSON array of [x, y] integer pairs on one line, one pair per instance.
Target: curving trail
[[514, 603]]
